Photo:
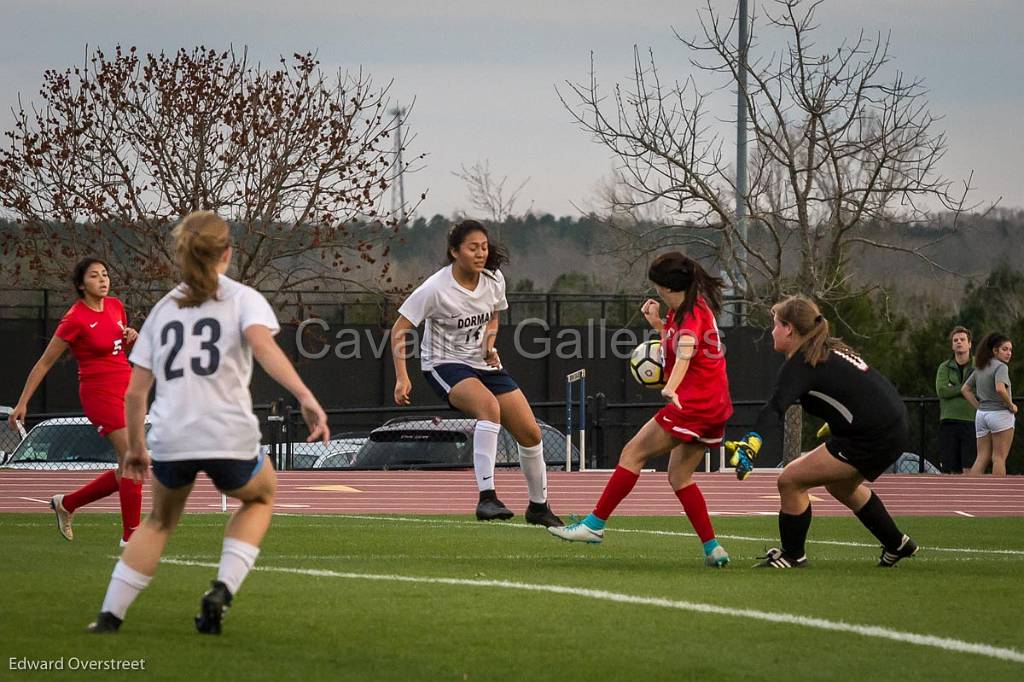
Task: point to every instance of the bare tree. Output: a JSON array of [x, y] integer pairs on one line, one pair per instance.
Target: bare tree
[[840, 143], [487, 194], [123, 146]]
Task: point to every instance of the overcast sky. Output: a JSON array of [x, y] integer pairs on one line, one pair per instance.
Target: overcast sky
[[484, 73]]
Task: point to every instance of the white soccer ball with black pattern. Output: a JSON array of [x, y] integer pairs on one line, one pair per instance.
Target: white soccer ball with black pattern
[[647, 364]]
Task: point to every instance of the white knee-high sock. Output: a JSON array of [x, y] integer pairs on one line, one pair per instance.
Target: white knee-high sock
[[236, 560], [125, 585], [485, 451], [531, 461]]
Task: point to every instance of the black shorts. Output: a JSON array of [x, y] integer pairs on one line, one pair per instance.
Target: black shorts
[[442, 378], [226, 474], [871, 455]]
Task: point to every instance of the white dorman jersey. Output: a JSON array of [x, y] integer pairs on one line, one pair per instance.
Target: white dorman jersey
[[203, 365], [456, 317]]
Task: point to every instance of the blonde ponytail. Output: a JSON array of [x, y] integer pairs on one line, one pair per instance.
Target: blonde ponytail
[[804, 316], [200, 240]]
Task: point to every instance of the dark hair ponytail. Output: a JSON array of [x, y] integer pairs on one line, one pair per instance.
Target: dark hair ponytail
[[496, 254], [987, 348], [678, 272]]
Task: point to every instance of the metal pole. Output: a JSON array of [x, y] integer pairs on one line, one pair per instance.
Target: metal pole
[[741, 147], [568, 424], [583, 420]]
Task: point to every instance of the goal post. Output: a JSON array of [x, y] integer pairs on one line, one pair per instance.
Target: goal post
[[579, 379]]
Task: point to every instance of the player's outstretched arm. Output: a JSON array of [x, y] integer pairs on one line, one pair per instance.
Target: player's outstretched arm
[[273, 360], [403, 386], [53, 351], [686, 346], [490, 338], [136, 460]]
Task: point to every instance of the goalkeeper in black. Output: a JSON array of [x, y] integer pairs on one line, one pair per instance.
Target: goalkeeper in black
[[868, 425]]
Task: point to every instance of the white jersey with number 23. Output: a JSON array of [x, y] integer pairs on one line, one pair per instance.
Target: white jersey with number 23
[[203, 366]]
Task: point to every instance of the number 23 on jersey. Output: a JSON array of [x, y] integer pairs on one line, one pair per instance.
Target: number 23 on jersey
[[204, 363]]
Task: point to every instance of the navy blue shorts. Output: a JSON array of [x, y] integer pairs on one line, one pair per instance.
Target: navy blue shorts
[[226, 474], [442, 378]]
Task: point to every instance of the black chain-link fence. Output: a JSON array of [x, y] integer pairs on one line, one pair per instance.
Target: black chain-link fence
[[426, 437]]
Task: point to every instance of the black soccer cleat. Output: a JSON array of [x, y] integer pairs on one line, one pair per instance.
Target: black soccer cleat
[[490, 508], [907, 548], [106, 623], [776, 558], [540, 514], [213, 607]]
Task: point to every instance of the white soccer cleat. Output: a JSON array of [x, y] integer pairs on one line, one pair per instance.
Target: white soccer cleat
[[578, 532], [63, 517], [718, 558], [123, 543]]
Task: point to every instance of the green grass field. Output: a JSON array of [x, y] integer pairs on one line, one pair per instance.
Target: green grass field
[[447, 598]]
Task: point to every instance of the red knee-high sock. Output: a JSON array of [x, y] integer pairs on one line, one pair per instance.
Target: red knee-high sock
[[96, 489], [130, 493], [618, 486], [697, 511]]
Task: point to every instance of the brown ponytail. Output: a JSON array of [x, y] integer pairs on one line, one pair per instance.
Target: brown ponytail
[[987, 348], [804, 316], [199, 241], [678, 272]]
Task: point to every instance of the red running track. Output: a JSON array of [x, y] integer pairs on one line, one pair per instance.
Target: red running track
[[454, 492]]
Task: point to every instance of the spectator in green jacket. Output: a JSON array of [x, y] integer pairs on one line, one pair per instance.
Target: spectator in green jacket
[[957, 441]]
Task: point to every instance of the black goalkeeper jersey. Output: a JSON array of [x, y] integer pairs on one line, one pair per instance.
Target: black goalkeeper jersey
[[855, 399]]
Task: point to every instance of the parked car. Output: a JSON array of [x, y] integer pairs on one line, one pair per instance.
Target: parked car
[[9, 438], [910, 463], [64, 443], [425, 442], [334, 454]]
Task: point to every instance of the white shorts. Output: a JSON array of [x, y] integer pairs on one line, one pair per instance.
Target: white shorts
[[986, 423]]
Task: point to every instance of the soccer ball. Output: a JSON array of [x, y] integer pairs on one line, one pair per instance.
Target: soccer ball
[[647, 364]]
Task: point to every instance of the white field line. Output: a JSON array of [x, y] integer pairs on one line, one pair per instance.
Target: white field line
[[520, 556], [670, 533], [943, 643], [520, 526]]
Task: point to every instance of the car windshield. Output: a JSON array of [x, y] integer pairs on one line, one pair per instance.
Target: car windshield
[[9, 438], [64, 443], [415, 448]]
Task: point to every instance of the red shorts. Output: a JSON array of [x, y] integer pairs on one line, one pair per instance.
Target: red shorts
[[104, 406], [689, 428]]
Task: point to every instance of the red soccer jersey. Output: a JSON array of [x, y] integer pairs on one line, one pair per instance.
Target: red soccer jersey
[[704, 391], [97, 341]]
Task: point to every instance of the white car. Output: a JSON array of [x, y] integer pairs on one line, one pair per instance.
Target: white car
[[9, 438], [334, 454], [63, 443]]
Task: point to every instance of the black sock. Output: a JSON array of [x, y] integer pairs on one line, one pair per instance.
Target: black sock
[[538, 506], [793, 532], [876, 519], [488, 495]]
